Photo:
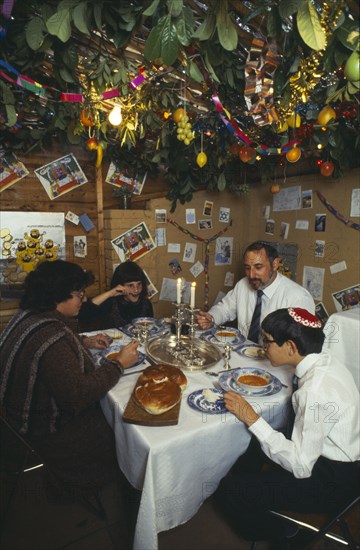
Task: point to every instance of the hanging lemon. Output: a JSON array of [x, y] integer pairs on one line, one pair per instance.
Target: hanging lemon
[[178, 114], [293, 154], [326, 114], [201, 159], [294, 120]]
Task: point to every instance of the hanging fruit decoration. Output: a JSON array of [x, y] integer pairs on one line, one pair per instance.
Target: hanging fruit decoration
[[294, 120], [293, 154], [326, 115], [86, 118], [246, 153], [234, 149], [327, 168], [184, 131], [275, 188], [352, 66], [201, 159]]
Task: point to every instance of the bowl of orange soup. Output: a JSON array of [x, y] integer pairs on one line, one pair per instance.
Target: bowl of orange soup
[[254, 379], [225, 335]]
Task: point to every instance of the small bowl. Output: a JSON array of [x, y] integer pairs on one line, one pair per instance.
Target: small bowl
[[254, 381], [225, 336], [144, 323]]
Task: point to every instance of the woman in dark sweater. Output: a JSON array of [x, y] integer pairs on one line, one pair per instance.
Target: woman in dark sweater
[[49, 387], [126, 300]]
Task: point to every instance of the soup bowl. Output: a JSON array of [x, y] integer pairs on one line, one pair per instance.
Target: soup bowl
[[225, 335], [256, 380]]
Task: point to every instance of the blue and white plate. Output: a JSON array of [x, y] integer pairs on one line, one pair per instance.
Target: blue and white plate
[[115, 348], [197, 400], [154, 326], [209, 336], [251, 351], [227, 381]]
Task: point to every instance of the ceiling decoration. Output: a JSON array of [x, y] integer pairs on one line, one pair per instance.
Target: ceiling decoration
[[252, 78]]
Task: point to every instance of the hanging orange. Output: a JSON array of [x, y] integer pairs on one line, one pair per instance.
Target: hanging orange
[[327, 168], [293, 154], [179, 114], [246, 153], [326, 115], [86, 118]]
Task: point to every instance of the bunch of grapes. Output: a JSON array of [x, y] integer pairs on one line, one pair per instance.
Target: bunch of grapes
[[185, 132]]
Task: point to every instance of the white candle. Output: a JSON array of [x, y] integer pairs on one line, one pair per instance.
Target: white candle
[[192, 295], [178, 291]]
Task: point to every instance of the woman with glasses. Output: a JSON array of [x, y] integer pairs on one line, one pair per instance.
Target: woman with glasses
[[315, 466], [49, 387], [126, 300]]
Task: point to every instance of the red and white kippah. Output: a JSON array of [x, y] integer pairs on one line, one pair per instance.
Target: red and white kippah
[[304, 317]]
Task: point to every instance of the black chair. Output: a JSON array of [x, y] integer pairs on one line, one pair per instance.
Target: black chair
[[18, 458]]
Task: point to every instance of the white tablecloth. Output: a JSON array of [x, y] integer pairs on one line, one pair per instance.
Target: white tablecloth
[[342, 332], [178, 467]]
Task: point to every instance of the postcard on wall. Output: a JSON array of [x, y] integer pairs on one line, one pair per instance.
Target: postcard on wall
[[224, 214], [307, 199], [224, 250], [321, 313], [355, 203], [175, 266], [190, 215], [313, 281], [168, 290], [229, 279], [189, 252], [320, 222], [270, 227], [284, 230], [208, 208], [151, 288], [174, 248], [160, 236], [347, 298], [287, 199], [11, 170], [205, 224], [302, 224], [26, 240], [133, 244], [61, 176], [266, 212], [80, 246], [73, 218], [196, 269], [319, 249], [120, 178], [160, 215]]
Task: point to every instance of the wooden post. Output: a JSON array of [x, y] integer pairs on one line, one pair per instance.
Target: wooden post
[[101, 241]]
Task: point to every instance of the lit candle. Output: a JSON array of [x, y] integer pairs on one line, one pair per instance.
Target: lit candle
[[178, 291], [192, 295]]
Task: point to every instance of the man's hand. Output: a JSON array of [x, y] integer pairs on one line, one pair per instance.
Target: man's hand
[[99, 341], [204, 319], [236, 404]]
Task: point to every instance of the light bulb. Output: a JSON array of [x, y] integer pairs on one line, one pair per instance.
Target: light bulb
[[115, 117]]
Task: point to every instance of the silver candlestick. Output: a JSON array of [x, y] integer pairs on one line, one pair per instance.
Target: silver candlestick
[[227, 356]]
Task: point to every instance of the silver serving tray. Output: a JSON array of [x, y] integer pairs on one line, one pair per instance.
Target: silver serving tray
[[162, 350]]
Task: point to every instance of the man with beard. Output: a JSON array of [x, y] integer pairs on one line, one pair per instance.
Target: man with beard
[[262, 291]]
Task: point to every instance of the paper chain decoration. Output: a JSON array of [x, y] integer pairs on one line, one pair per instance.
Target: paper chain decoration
[[336, 213], [207, 253]]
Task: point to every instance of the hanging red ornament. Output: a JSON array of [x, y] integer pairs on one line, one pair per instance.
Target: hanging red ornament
[[234, 149], [246, 153], [327, 168]]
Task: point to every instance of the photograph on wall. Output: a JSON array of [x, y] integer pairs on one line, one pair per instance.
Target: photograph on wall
[[307, 199], [224, 250], [320, 222], [205, 224], [355, 203], [152, 290], [313, 281], [80, 246], [321, 313], [347, 298], [229, 279], [133, 244], [160, 215], [196, 269], [160, 236], [190, 215], [122, 178], [61, 176], [26, 240], [175, 266], [284, 230], [224, 214], [190, 252], [208, 208], [168, 291], [319, 249], [11, 170], [270, 227]]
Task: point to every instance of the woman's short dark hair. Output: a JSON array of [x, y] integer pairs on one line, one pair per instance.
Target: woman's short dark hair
[[282, 327], [129, 272], [51, 283], [270, 250]]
